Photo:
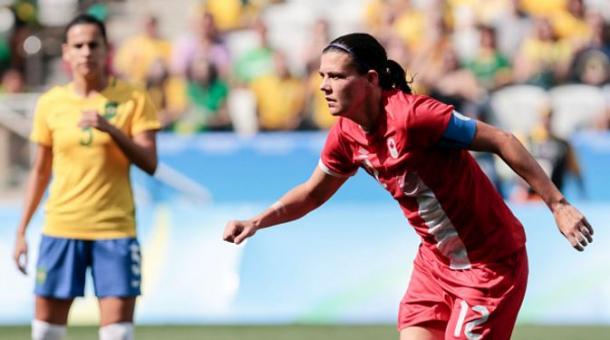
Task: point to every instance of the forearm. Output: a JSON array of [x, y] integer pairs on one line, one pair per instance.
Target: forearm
[[138, 155], [572, 224], [519, 159], [293, 205], [35, 188]]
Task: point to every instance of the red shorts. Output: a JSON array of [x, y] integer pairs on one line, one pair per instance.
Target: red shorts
[[477, 303]]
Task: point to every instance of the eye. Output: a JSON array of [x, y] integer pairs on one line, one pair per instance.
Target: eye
[[79, 45]]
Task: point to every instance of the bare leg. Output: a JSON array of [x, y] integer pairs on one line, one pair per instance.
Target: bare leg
[[116, 310], [53, 311], [421, 333]]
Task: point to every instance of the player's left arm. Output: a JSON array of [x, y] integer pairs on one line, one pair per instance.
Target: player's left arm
[[571, 223], [141, 150]]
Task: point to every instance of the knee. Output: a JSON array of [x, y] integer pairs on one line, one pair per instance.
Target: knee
[[117, 331], [42, 330]]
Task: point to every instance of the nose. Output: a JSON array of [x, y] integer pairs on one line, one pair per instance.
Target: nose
[[324, 85], [86, 50]]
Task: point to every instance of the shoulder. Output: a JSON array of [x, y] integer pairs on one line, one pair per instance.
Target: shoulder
[[133, 42], [424, 105], [123, 87], [55, 94], [263, 80], [57, 91], [120, 84], [396, 101], [402, 105]]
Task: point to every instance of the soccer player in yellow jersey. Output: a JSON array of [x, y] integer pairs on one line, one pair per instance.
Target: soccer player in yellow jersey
[[87, 134]]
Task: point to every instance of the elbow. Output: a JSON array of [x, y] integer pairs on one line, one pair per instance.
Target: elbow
[[316, 199], [505, 141], [41, 171], [315, 202], [152, 168], [311, 198], [509, 138]]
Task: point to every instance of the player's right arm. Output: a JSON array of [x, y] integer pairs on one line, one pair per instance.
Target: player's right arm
[[37, 184], [295, 204]]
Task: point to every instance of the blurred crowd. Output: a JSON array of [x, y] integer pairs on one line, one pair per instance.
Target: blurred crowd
[[458, 51]]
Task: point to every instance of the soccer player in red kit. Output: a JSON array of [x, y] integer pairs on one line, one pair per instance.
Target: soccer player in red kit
[[470, 273]]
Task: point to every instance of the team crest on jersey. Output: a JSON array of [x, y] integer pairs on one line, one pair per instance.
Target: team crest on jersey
[[392, 148], [110, 110], [41, 275]]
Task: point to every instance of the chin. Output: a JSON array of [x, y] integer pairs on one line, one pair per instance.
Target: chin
[[85, 71], [334, 111]]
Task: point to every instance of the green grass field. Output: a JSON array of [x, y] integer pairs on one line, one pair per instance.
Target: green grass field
[[316, 332]]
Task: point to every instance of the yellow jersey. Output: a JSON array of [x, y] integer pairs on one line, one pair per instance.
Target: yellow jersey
[[90, 195], [280, 101], [136, 57]]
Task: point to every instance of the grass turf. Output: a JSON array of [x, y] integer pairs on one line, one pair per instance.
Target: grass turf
[[305, 332]]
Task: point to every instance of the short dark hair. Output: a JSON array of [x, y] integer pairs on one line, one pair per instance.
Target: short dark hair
[[368, 54], [86, 19]]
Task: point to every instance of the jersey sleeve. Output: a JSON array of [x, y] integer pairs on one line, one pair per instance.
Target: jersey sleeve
[[459, 132], [335, 160], [41, 133], [427, 121], [145, 117]]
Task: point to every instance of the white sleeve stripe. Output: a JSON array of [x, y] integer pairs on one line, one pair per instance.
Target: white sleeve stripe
[[328, 171]]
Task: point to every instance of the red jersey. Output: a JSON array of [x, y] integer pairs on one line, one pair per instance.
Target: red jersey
[[444, 194]]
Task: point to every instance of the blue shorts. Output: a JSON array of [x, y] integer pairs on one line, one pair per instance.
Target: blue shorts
[[63, 262]]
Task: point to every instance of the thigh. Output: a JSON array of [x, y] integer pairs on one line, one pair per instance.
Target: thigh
[[115, 309], [425, 301], [61, 267], [487, 307], [424, 331], [116, 267], [53, 311]]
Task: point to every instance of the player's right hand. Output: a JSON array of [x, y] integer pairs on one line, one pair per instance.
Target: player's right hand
[[237, 231], [20, 255]]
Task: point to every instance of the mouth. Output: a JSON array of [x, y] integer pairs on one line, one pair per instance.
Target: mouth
[[88, 62]]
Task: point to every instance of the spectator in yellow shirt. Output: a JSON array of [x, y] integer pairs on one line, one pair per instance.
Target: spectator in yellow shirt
[[542, 60], [136, 57], [280, 98]]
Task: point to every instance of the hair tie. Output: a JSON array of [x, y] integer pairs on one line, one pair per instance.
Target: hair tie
[[388, 68]]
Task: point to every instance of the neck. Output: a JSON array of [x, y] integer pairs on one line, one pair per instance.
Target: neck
[[93, 83], [368, 117]]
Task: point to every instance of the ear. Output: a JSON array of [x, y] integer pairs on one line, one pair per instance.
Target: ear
[[64, 52], [373, 77]]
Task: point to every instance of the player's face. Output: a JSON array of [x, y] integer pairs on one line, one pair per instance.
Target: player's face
[[345, 90], [85, 50]]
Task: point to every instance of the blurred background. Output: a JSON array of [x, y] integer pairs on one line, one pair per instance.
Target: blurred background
[[236, 85]]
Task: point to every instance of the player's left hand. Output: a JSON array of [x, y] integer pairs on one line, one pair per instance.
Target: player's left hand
[[573, 225], [91, 118]]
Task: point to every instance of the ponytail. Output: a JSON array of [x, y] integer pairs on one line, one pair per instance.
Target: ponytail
[[394, 77]]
